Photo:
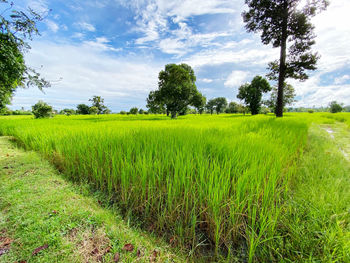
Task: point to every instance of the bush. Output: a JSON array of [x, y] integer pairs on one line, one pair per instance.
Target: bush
[[134, 110], [141, 111], [42, 110], [310, 111], [335, 107], [122, 112]]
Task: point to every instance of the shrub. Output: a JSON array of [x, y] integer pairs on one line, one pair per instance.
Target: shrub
[[122, 112], [134, 110]]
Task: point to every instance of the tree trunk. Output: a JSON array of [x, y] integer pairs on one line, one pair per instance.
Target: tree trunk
[[282, 68], [167, 112], [173, 114]]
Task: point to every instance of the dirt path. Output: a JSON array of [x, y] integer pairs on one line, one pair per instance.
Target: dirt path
[[340, 133]]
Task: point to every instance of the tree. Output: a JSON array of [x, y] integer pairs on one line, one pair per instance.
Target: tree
[[15, 28], [281, 22], [199, 101], [220, 104], [42, 110], [288, 97], [211, 106], [176, 89], [67, 112], [335, 107], [233, 107], [141, 111], [83, 109], [94, 110], [97, 102], [252, 92], [134, 110]]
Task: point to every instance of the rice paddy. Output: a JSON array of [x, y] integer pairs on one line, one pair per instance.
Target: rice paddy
[[214, 185]]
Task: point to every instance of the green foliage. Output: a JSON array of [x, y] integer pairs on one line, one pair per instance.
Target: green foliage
[[68, 112], [288, 97], [98, 102], [199, 101], [335, 107], [42, 110], [141, 111], [252, 92], [217, 104], [94, 110], [233, 107], [122, 112], [281, 22], [14, 30], [134, 110], [83, 109], [176, 91], [154, 103]]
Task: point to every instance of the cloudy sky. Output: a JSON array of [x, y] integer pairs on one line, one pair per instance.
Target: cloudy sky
[[116, 48]]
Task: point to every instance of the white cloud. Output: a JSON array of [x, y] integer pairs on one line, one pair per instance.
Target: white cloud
[[52, 25], [100, 44], [86, 26], [236, 78], [87, 71], [341, 80], [205, 80]]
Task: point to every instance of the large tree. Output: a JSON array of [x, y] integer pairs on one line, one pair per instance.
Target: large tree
[[15, 28], [176, 89], [252, 92], [281, 22]]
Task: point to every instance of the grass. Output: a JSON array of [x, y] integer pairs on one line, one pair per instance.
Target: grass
[[211, 184], [38, 207]]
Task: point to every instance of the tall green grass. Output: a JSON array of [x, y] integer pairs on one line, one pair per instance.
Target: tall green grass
[[205, 182]]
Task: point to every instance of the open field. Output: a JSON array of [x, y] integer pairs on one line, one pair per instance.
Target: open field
[[222, 187]]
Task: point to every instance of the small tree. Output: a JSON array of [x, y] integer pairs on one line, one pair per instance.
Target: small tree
[[141, 111], [211, 106], [134, 110], [42, 110], [83, 109], [176, 88], [220, 104], [335, 107], [252, 92], [233, 107], [98, 102]]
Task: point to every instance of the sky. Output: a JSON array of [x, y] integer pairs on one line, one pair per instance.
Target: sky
[[116, 48]]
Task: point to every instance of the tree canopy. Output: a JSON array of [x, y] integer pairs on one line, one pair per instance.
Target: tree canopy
[[252, 92], [176, 90], [281, 22], [15, 29]]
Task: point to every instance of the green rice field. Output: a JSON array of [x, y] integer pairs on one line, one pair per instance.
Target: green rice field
[[215, 185]]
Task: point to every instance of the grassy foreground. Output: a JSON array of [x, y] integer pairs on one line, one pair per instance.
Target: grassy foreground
[[229, 187], [45, 219]]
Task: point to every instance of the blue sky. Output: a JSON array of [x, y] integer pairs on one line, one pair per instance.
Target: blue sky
[[115, 49]]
